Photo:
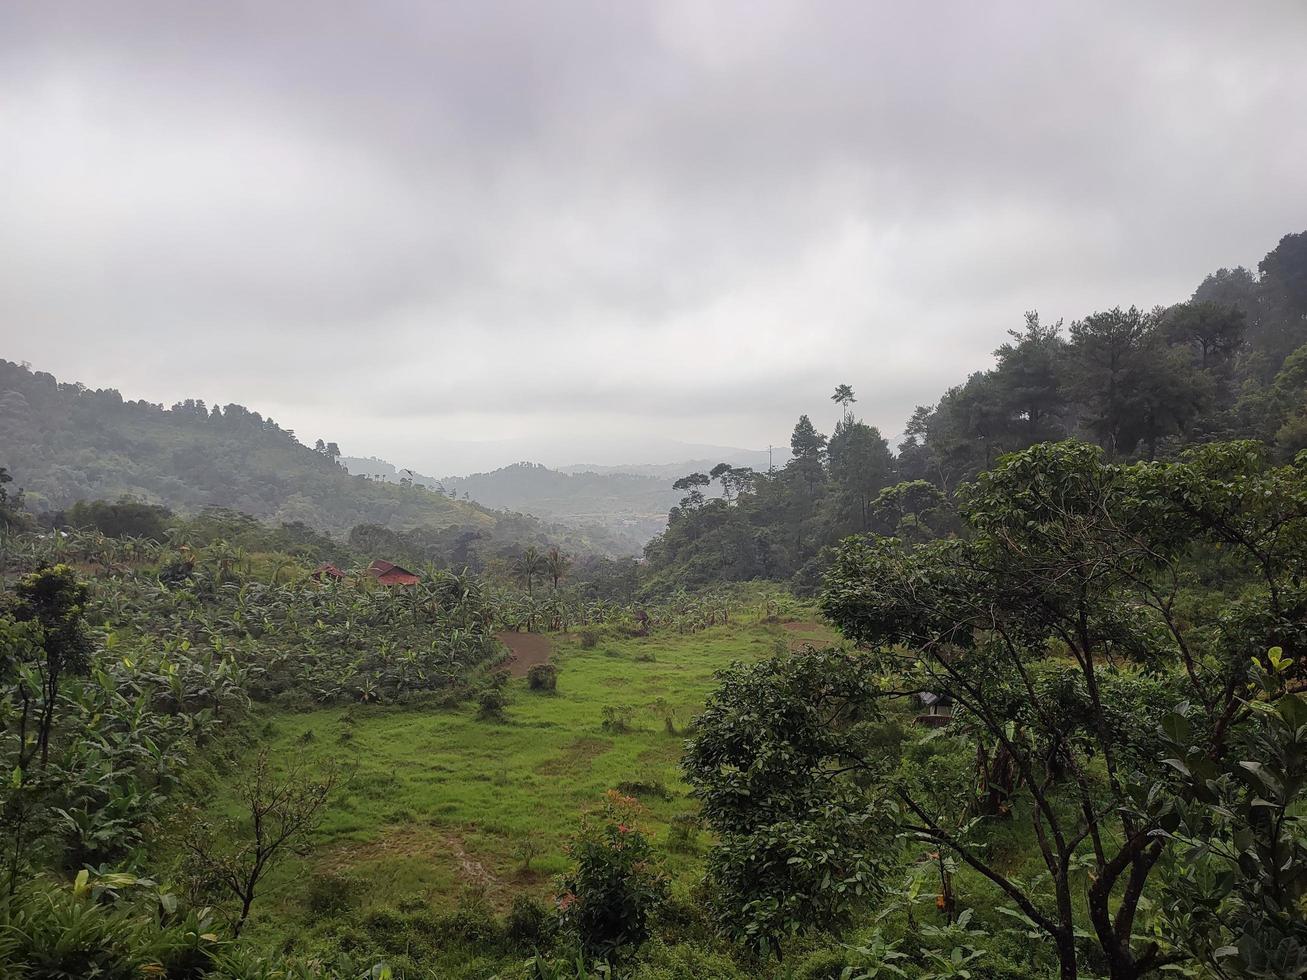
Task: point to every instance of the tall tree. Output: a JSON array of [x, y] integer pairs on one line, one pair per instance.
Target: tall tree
[[860, 466], [692, 486], [1029, 382], [843, 397], [807, 452], [529, 565], [557, 565], [11, 507], [1131, 387], [1214, 332], [1283, 285], [53, 601]]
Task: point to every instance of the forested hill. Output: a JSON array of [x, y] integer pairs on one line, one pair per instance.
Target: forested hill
[[1228, 363], [630, 505], [63, 442]]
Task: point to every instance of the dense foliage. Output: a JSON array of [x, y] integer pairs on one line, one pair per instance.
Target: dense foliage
[[1230, 363], [1067, 735], [69, 446], [1120, 647]]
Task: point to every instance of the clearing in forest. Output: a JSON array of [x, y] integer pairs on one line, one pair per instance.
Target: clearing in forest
[[440, 799]]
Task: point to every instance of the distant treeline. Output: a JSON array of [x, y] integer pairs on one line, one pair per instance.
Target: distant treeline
[[64, 443], [1230, 363]]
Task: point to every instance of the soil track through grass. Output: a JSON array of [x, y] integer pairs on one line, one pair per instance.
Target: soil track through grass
[[528, 649]]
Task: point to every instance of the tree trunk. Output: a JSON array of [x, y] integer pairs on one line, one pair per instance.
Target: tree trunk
[[1066, 956]]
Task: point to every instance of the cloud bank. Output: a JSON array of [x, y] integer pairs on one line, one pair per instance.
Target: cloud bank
[[414, 227]]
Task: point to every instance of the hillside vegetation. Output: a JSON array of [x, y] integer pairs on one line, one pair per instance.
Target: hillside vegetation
[[1047, 716], [64, 443], [1229, 363]]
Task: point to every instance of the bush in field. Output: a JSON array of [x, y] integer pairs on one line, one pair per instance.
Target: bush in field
[[331, 892], [588, 637], [647, 783], [663, 709], [493, 699], [683, 834], [542, 677], [473, 921], [491, 703], [526, 850], [280, 810], [529, 925], [616, 718], [615, 885]]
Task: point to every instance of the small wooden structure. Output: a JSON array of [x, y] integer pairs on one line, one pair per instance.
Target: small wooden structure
[[938, 709], [388, 573], [327, 572]]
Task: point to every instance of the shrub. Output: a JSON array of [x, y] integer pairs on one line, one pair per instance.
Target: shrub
[[176, 570], [472, 922], [529, 925], [667, 712], [84, 931], [606, 900], [645, 785], [683, 834], [491, 703], [616, 718], [331, 892], [526, 850], [687, 961], [542, 677], [588, 637]]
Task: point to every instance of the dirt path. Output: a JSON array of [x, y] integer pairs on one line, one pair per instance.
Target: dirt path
[[528, 649]]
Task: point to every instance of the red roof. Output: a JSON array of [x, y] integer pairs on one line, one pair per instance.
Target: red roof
[[327, 570], [388, 573]]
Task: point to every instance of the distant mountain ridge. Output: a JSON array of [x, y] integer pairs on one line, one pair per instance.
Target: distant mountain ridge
[[631, 505], [65, 442], [756, 459]]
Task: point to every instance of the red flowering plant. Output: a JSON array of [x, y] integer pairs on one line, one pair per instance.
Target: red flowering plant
[[615, 883]]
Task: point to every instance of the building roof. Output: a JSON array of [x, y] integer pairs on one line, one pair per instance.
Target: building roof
[[384, 570], [327, 570]]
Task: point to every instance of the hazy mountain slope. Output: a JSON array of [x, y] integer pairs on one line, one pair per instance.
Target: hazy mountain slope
[[634, 507], [64, 442], [669, 472]]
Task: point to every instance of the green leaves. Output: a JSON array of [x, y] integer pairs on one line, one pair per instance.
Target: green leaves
[[800, 846]]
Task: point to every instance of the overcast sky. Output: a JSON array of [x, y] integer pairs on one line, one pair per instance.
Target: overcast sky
[[580, 230]]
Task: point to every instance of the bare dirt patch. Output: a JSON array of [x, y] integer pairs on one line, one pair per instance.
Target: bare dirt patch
[[809, 634], [528, 649], [411, 842]]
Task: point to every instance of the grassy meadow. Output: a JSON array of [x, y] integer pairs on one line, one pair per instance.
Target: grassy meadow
[[439, 801]]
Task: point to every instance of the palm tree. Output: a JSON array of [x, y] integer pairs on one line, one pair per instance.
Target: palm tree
[[844, 398], [531, 564], [557, 565]]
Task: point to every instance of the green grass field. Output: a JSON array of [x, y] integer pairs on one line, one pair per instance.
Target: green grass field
[[440, 800]]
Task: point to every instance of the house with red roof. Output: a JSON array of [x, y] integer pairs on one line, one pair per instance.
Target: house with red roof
[[388, 573]]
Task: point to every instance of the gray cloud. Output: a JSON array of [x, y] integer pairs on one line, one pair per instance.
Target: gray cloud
[[400, 224]]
